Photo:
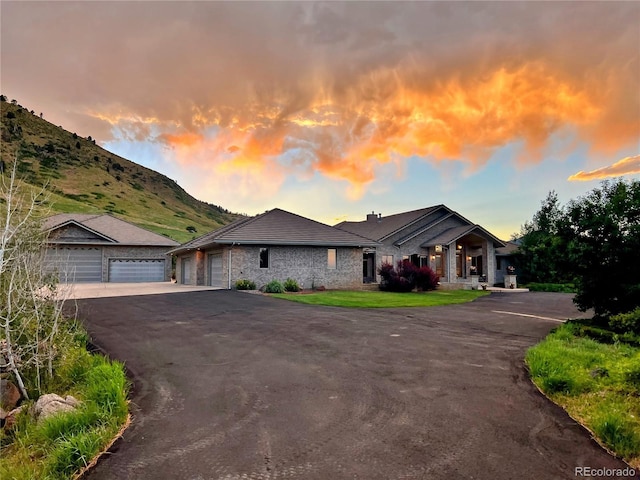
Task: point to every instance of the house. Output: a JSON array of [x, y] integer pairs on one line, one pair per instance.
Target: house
[[102, 248], [275, 245], [437, 237]]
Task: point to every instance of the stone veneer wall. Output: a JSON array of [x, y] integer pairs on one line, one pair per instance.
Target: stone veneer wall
[[306, 265]]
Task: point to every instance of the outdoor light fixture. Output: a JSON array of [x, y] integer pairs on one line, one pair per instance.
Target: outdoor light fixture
[[459, 247], [469, 259], [433, 257]]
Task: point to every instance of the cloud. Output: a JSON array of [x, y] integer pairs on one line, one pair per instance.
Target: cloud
[[259, 92], [626, 166]]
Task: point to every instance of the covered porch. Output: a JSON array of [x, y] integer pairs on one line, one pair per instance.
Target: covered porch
[[459, 254]]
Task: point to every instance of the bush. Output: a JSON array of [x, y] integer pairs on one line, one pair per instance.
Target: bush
[[290, 285], [626, 322], [245, 285], [426, 279], [551, 287], [405, 277], [274, 286]]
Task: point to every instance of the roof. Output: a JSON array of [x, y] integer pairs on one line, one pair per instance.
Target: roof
[[509, 249], [112, 229], [389, 225], [278, 227], [455, 233], [385, 227]]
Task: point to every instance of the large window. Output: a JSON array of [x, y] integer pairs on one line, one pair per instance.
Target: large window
[[387, 259], [264, 258], [332, 258]]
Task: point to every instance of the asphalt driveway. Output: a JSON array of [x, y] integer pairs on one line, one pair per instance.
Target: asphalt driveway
[[230, 385]]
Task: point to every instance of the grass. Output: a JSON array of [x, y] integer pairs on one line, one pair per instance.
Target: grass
[[62, 445], [372, 299], [596, 383]]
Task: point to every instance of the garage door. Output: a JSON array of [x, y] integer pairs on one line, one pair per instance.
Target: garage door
[[130, 270], [215, 270], [76, 264]]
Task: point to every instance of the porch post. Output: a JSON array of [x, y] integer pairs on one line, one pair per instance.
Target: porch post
[[451, 263], [489, 259]]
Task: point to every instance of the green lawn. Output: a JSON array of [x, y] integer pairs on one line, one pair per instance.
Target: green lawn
[[597, 383], [372, 299]]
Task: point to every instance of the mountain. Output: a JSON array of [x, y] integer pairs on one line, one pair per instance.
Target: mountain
[[83, 177]]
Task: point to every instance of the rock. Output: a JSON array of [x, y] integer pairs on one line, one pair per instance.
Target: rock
[[50, 404], [11, 418], [9, 395]]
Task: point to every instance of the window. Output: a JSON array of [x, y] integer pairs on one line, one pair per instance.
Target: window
[[264, 258], [332, 255], [439, 266], [405, 257], [387, 259]]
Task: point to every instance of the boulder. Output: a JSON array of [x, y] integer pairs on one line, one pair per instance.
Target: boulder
[[9, 394], [50, 404], [10, 419]]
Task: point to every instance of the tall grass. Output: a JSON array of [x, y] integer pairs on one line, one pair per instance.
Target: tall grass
[[596, 383], [60, 446]]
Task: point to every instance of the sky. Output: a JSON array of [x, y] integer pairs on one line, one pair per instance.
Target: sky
[[334, 110]]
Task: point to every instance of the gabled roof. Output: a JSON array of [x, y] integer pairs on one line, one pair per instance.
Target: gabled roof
[[388, 226], [379, 230], [110, 228], [455, 233], [278, 227]]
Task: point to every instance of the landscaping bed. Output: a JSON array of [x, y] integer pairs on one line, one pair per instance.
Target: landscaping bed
[[64, 444], [597, 383]]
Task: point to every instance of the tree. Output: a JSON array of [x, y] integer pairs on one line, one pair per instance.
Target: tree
[[542, 255], [604, 243], [30, 302], [593, 241]]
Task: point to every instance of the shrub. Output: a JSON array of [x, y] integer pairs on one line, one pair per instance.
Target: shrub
[[401, 279], [274, 286], [426, 279], [245, 285], [626, 322], [290, 285]]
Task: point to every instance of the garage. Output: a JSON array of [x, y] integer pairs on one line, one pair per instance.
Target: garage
[[136, 270], [215, 270], [75, 264]]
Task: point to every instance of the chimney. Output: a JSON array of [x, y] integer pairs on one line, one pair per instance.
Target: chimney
[[372, 217]]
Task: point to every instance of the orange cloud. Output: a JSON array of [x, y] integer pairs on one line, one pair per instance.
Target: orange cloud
[[341, 89], [626, 166]]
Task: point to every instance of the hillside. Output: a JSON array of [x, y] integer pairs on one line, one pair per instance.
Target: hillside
[[83, 177]]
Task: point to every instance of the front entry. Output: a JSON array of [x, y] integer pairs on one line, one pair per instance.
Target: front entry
[[368, 267]]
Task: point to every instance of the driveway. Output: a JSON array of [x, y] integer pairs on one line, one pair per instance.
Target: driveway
[[236, 386]]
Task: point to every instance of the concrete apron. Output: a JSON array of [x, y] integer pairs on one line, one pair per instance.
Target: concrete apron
[[101, 290]]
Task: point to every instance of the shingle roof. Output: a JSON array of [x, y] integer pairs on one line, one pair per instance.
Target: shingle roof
[[453, 234], [120, 231], [509, 249], [389, 224], [278, 227]]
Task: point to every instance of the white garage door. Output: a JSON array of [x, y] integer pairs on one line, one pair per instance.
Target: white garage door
[[130, 270], [215, 270], [76, 264]]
